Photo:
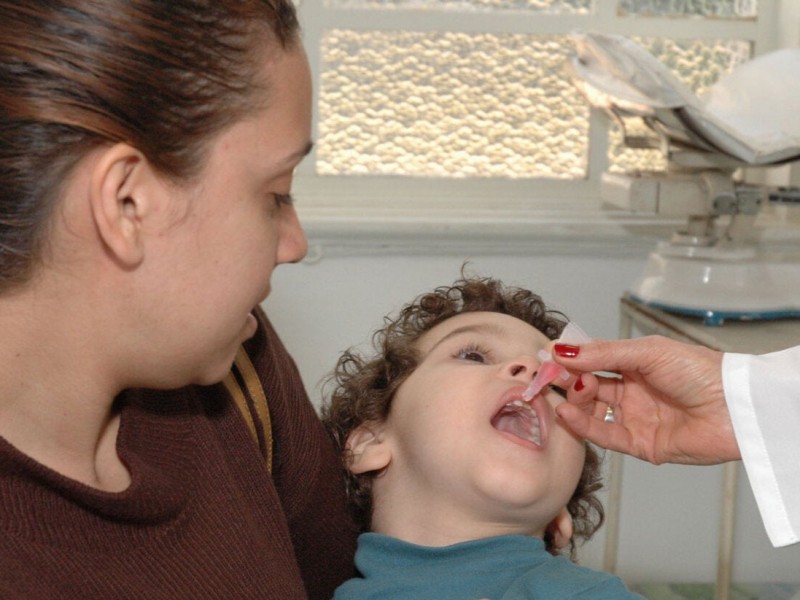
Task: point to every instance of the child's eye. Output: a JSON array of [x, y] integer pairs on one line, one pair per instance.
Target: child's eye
[[473, 354]]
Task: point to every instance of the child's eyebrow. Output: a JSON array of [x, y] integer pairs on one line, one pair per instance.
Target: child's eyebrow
[[480, 328]]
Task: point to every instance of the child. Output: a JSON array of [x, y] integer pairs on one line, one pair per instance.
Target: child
[[467, 491]]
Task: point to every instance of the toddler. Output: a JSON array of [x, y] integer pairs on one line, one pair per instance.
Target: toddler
[[463, 489]]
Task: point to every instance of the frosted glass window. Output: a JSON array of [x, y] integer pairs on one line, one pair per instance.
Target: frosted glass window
[[449, 105], [736, 9], [698, 64], [475, 105], [563, 7]]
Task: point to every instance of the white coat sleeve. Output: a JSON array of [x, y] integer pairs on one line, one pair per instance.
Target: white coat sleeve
[[763, 396]]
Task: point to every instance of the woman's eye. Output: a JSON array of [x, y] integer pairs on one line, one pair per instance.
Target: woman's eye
[[283, 199]]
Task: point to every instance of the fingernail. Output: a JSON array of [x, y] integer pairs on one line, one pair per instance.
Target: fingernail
[[566, 350], [579, 385]]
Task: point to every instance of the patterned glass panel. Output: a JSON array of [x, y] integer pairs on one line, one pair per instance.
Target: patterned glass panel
[[730, 9], [449, 105], [698, 64], [561, 7]]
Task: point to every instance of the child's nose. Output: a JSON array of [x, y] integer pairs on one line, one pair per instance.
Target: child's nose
[[523, 367]]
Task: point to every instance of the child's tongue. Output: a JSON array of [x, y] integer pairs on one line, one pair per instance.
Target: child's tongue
[[518, 418]]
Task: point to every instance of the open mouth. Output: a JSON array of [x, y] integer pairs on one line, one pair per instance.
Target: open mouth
[[519, 419]]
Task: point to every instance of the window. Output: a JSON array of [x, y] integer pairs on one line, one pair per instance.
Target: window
[[442, 107]]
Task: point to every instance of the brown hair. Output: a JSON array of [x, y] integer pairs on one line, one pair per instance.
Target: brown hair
[[363, 388], [76, 74]]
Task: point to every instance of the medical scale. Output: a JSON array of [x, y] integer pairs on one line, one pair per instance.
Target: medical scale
[[716, 267]]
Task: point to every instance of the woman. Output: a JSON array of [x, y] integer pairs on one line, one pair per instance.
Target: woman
[[146, 159]]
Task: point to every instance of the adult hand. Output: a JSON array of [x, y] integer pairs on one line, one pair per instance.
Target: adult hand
[[668, 401]]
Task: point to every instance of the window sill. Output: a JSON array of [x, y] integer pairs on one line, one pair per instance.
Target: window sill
[[350, 231], [353, 219]]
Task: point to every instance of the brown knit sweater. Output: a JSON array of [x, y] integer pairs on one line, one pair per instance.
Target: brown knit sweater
[[202, 517]]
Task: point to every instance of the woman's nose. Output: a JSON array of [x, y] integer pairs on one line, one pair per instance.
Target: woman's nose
[[292, 244]]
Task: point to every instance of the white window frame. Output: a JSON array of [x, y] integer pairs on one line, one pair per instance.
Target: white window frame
[[354, 214]]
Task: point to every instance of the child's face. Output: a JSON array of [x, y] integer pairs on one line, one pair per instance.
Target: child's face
[[454, 457]]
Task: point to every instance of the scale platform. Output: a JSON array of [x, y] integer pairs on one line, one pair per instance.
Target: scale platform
[[719, 284]]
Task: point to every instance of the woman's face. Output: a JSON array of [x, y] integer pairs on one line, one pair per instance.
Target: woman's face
[[232, 227], [464, 446]]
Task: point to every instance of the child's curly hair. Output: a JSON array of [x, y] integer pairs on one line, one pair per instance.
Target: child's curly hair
[[364, 387]]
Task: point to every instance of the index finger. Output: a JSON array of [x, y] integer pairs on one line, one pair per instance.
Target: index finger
[[614, 356]]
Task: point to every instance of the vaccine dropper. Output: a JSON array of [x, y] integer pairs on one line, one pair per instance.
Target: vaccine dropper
[[549, 371]]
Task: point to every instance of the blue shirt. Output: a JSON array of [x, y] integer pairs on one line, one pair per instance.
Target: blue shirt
[[510, 567]]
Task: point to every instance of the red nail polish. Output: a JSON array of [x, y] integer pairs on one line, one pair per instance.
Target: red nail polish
[[566, 350], [579, 385]]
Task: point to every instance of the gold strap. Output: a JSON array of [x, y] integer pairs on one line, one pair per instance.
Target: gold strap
[[252, 384]]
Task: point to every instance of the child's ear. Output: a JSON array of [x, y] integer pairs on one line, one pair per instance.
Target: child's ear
[[368, 449], [560, 529]]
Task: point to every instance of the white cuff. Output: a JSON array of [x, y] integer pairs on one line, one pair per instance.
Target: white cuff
[[763, 396]]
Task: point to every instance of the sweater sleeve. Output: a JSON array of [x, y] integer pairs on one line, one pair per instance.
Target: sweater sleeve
[[763, 396], [306, 470]]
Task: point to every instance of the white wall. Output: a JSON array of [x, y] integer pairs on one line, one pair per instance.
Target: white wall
[[669, 513]]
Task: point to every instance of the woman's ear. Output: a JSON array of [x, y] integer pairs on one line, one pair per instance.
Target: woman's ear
[[367, 448], [561, 529], [120, 197]]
